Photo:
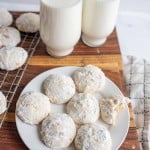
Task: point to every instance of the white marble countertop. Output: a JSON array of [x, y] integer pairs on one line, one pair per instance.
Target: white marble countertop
[[133, 24]]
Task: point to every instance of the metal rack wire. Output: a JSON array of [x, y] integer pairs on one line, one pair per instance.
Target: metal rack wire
[[10, 80]]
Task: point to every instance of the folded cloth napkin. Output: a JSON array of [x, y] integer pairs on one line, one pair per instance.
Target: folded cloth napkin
[[137, 77]]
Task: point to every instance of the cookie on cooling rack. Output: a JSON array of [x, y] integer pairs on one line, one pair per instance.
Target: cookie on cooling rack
[[3, 103], [89, 79], [93, 137], [83, 108], [9, 36], [6, 18], [33, 107], [110, 108], [12, 58], [58, 131], [59, 88], [28, 22]]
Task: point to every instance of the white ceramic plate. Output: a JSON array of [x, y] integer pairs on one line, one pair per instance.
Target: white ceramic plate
[[30, 134]]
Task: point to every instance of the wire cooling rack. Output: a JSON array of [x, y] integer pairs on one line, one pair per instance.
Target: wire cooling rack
[[10, 80]]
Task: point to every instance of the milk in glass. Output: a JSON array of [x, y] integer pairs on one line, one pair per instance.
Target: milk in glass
[[99, 18], [60, 25]]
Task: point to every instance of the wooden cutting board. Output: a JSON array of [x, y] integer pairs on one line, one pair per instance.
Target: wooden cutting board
[[108, 57]]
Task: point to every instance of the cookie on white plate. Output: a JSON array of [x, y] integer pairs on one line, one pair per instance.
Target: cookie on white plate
[[3, 103], [12, 58], [9, 36], [32, 107], [89, 79], [28, 22], [83, 108], [6, 18], [110, 108], [59, 88], [93, 137], [58, 130]]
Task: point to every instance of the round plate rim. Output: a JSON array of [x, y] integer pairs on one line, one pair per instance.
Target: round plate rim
[[54, 69]]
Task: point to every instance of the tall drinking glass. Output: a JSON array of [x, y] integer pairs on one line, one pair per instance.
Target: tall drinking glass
[[60, 25]]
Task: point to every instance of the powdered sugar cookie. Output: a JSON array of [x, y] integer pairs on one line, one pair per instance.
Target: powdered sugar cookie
[[9, 36], [110, 108], [83, 108], [6, 18], [33, 107], [28, 22], [93, 137], [58, 131], [89, 79], [3, 103], [12, 58], [59, 88]]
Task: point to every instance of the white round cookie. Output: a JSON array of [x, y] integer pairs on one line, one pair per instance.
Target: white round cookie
[[58, 131], [93, 137], [33, 107], [28, 22], [59, 88], [3, 103], [83, 108], [6, 18], [89, 79], [9, 36], [12, 58]]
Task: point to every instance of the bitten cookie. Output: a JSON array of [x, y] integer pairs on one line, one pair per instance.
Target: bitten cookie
[[28, 22], [12, 58], [89, 79], [83, 108], [33, 107], [58, 131], [59, 88], [110, 108], [6, 18], [93, 137], [9, 36], [3, 103]]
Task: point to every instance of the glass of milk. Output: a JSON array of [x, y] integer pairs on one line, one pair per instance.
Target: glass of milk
[[99, 18], [60, 25]]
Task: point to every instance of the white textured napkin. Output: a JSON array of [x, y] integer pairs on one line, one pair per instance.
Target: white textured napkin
[[137, 76]]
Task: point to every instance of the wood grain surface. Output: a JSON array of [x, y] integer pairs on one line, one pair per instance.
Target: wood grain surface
[[108, 57]]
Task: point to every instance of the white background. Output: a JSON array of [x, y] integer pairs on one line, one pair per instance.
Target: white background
[[133, 24]]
